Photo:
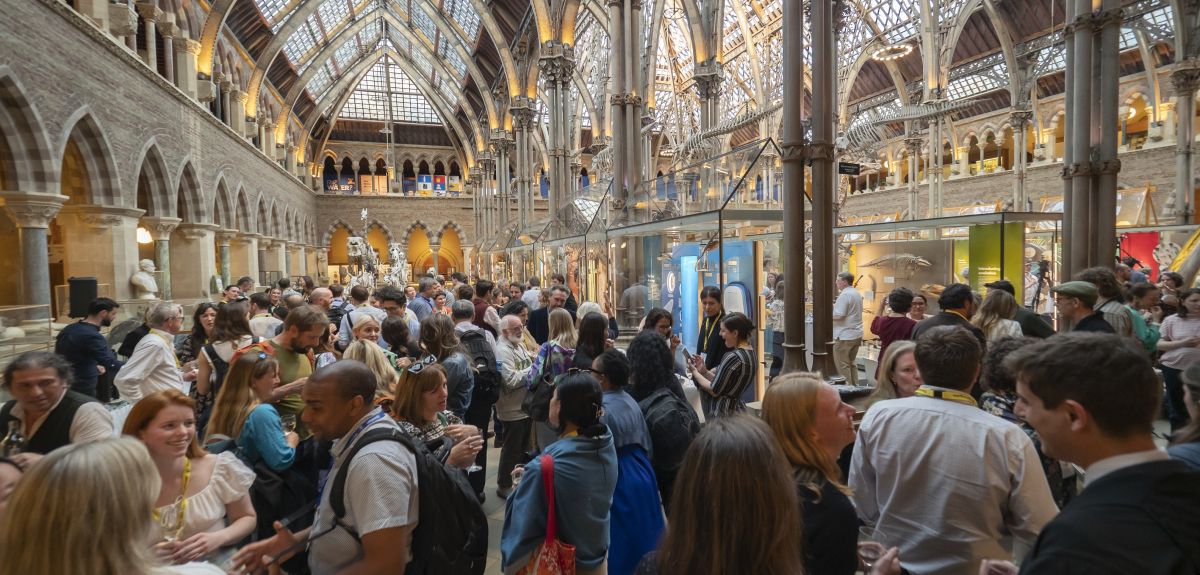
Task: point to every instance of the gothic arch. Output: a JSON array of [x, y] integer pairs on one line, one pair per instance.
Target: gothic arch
[[413, 227], [189, 202], [25, 160], [83, 130], [223, 206], [152, 171], [374, 223], [451, 225], [333, 227], [245, 217]]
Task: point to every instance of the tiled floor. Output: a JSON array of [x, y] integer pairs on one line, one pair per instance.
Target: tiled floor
[[494, 508]]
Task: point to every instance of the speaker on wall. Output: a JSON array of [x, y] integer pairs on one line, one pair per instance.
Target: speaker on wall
[[82, 292]]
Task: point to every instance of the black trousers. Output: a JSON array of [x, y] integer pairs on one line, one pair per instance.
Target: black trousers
[[479, 414], [517, 443]]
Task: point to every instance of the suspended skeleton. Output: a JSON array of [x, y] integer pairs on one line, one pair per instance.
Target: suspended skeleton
[[694, 149], [363, 260], [864, 138]]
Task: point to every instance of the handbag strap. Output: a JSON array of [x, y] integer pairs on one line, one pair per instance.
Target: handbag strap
[[548, 482]]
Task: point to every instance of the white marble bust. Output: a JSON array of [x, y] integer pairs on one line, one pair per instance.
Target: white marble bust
[[144, 285]]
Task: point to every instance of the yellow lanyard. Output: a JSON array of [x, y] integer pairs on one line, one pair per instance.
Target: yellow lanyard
[[182, 502], [708, 330], [947, 394]]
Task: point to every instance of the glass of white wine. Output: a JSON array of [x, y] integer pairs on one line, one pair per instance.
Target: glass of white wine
[[871, 545]]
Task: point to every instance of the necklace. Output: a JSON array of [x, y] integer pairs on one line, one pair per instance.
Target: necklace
[[947, 394], [173, 529]]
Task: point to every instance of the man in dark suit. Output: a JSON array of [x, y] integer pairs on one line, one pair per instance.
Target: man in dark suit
[[87, 350], [1032, 324], [539, 319], [957, 305], [1092, 399]]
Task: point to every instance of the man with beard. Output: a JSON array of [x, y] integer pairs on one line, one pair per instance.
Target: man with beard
[[292, 349], [514, 361], [88, 351]]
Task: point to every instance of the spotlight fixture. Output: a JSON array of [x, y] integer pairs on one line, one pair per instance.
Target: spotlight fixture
[[892, 52]]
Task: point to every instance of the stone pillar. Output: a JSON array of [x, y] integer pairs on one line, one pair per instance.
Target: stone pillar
[[237, 111], [821, 153], [226, 101], [1185, 80], [101, 242], [914, 145], [32, 213], [186, 53], [434, 248], [192, 271], [168, 29], [123, 24], [792, 147], [265, 246], [224, 238], [150, 13], [1019, 120], [279, 258], [160, 229], [245, 258]]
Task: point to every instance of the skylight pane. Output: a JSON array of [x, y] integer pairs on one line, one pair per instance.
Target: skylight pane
[[333, 13], [464, 13], [320, 81], [369, 99], [270, 9], [424, 23], [299, 44]]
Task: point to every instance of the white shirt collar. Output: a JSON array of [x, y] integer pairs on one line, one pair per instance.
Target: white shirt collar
[[1108, 465]]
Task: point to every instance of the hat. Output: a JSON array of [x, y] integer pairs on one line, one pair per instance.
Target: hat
[[1001, 285], [1085, 291]]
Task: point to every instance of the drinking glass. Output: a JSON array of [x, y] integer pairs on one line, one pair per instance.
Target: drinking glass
[[474, 466], [871, 545], [289, 422]]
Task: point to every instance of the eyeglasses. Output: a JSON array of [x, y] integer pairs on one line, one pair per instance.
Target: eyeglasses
[[575, 370], [416, 367]]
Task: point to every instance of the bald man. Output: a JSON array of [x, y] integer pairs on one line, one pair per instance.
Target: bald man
[[321, 297], [515, 363]]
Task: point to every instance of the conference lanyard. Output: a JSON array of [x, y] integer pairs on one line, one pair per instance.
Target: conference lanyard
[[708, 330], [947, 394]]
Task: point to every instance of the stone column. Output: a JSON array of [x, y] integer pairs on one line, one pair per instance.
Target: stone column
[[237, 111], [150, 13], [168, 29], [434, 248], [123, 24], [224, 237], [1019, 119], [160, 229], [186, 53], [792, 146], [226, 101], [824, 182], [265, 246], [246, 257], [192, 271], [32, 213], [1185, 80], [280, 258], [101, 242]]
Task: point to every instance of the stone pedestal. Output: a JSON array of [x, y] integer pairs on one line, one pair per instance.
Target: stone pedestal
[[193, 264]]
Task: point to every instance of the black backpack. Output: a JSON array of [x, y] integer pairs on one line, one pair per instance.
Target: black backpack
[[336, 314], [451, 534], [672, 425], [483, 359]]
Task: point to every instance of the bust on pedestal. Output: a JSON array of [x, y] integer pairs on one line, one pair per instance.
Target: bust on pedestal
[[144, 284]]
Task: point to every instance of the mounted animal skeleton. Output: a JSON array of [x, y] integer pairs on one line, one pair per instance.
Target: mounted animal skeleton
[[398, 273], [363, 262]]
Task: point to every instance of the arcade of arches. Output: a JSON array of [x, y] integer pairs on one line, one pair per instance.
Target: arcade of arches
[[253, 138]]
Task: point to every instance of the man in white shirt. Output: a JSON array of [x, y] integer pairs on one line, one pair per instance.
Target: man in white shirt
[[50, 414], [1093, 398], [262, 323], [943, 480], [515, 363], [533, 296], [380, 493], [847, 327], [154, 365]]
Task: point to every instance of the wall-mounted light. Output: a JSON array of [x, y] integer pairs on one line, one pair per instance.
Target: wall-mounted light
[[143, 236], [1133, 112]]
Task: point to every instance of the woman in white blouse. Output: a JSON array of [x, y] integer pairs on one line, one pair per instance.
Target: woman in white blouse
[[203, 507], [229, 333], [995, 316]]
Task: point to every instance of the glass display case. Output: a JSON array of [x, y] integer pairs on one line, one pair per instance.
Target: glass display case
[[24, 328]]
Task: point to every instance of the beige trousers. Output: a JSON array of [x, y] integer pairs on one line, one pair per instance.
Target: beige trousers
[[845, 355]]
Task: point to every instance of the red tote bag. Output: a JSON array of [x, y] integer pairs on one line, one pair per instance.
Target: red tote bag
[[552, 557]]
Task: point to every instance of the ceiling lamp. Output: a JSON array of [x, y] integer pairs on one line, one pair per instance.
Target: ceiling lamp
[[892, 52]]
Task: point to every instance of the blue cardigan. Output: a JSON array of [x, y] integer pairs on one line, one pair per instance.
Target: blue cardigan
[[262, 439], [585, 476]]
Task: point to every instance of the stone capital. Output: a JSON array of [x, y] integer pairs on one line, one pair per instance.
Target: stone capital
[[709, 76], [193, 232], [238, 96], [31, 210], [1185, 77], [245, 239], [160, 228], [226, 237], [167, 28], [185, 44], [102, 217], [820, 151], [1021, 117], [149, 10], [122, 20]]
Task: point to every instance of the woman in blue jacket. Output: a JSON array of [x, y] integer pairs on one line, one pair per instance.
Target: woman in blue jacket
[[585, 476]]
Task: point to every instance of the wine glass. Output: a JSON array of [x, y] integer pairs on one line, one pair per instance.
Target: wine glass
[[871, 545], [289, 422], [474, 466], [169, 520]]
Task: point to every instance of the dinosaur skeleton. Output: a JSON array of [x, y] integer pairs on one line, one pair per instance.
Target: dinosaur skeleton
[[866, 136]]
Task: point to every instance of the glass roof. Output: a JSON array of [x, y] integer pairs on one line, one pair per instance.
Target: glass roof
[[463, 12], [369, 99]]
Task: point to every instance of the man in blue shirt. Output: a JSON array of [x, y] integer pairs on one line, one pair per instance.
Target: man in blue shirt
[[88, 351], [422, 305]]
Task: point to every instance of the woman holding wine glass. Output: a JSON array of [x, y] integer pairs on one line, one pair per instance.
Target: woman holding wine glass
[[243, 412], [420, 409], [203, 507]]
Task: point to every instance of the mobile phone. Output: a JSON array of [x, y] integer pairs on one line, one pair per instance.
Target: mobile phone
[[686, 354]]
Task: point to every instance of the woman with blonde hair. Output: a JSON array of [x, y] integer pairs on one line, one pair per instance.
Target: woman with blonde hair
[[203, 505], [76, 493], [813, 425], [243, 412], [898, 373], [995, 316], [553, 359], [377, 359]]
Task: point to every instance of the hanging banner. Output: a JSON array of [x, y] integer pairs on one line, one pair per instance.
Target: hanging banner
[[425, 185], [454, 185], [439, 185]]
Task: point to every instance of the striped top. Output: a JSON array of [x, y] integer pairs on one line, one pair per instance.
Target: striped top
[[735, 373]]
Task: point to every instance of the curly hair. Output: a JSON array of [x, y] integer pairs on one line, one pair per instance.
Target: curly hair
[[651, 364]]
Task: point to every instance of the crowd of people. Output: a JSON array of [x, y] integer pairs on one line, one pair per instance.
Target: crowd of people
[[307, 429]]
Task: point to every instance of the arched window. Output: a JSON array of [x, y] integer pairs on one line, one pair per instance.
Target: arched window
[[366, 180], [347, 181], [381, 177], [330, 176]]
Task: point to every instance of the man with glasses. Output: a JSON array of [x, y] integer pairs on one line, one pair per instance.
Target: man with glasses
[[515, 363], [1074, 300], [154, 365]]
